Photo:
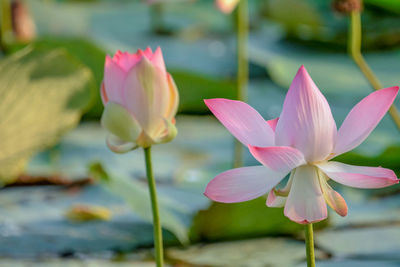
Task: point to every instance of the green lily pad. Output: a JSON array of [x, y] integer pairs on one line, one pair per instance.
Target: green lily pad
[[137, 197]]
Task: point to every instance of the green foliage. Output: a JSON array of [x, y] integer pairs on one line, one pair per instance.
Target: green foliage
[[42, 95], [137, 197], [194, 88], [88, 54], [242, 220]]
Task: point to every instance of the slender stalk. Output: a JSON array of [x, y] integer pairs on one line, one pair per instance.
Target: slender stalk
[[157, 18], [6, 23], [158, 240], [242, 66], [354, 48], [309, 245]]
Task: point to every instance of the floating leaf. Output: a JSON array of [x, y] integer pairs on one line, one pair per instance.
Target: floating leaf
[[42, 95], [86, 213], [137, 196], [242, 220], [194, 88]]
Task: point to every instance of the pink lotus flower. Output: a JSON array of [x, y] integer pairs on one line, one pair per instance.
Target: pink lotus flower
[[226, 6], [140, 100], [301, 142]]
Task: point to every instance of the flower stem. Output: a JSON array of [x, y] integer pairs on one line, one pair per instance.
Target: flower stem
[[6, 24], [354, 49], [242, 66], [309, 245], [157, 18], [158, 241]]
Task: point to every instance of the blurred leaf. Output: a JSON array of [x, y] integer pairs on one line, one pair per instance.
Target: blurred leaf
[[88, 53], [316, 23], [194, 88], [389, 5], [305, 15], [42, 96], [86, 213], [137, 197], [242, 220]]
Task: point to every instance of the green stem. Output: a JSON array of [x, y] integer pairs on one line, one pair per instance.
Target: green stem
[[157, 18], [158, 241], [354, 48], [6, 23], [309, 245], [242, 66]]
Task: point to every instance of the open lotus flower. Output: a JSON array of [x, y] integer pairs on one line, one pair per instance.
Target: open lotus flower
[[301, 142], [140, 100], [226, 6]]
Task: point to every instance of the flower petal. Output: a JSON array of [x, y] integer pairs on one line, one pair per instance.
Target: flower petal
[[114, 78], [272, 123], [118, 121], [244, 122], [306, 121], [103, 94], [157, 59], [146, 95], [168, 133], [173, 98], [332, 198], [363, 118], [226, 6], [357, 176], [305, 203], [242, 184], [283, 158], [274, 201], [127, 60], [118, 146]]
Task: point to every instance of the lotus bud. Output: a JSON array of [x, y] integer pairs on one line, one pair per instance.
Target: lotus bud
[[140, 100]]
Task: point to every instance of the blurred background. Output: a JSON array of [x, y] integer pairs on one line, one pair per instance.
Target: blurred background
[[66, 200]]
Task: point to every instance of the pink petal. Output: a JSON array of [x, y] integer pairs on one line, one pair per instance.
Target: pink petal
[[114, 78], [282, 158], [146, 94], [126, 60], [103, 94], [305, 203], [244, 122], [272, 123], [332, 198], [148, 53], [274, 201], [356, 176], [242, 184], [226, 6], [157, 59], [363, 118], [306, 121]]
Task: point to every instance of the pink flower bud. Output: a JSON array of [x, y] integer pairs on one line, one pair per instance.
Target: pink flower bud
[[226, 6], [140, 100]]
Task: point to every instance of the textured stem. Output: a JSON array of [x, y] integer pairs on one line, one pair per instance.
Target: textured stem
[[354, 48], [158, 241], [309, 245], [242, 67]]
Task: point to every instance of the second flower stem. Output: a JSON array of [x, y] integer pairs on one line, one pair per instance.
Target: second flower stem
[[309, 245], [242, 67], [158, 240], [354, 47]]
